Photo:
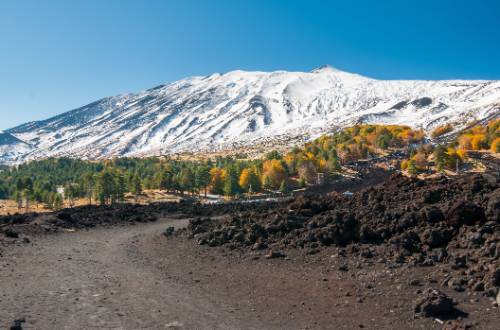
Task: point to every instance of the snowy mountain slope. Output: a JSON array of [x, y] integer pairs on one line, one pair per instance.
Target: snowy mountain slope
[[240, 108], [11, 147]]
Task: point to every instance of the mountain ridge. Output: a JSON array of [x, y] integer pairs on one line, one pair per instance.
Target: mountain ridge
[[239, 109]]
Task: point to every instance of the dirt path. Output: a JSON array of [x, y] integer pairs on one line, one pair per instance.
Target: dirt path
[[132, 277], [93, 280]]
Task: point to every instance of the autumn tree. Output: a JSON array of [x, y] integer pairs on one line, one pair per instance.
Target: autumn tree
[[420, 160], [465, 142], [441, 130], [217, 176], [412, 168], [495, 145], [274, 173], [478, 142], [249, 180]]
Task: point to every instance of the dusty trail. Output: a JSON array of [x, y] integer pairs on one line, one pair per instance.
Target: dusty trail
[[94, 280]]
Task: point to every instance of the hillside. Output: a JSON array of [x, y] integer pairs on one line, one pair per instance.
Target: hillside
[[242, 109]]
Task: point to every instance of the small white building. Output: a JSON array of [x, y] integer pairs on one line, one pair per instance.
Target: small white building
[[60, 190]]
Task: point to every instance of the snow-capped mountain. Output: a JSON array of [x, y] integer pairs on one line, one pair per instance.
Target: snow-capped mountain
[[241, 108]]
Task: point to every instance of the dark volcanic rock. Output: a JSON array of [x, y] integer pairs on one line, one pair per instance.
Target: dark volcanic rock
[[17, 324], [275, 254], [169, 231], [434, 303], [465, 213], [11, 233]]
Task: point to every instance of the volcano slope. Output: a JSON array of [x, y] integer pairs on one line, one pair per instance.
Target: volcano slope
[[407, 253]]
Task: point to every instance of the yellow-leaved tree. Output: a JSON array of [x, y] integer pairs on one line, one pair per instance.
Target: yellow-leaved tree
[[273, 173], [249, 180], [217, 176]]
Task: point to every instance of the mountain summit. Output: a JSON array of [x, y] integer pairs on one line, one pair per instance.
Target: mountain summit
[[239, 108]]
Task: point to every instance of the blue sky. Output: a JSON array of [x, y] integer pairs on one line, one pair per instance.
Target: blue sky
[[59, 55]]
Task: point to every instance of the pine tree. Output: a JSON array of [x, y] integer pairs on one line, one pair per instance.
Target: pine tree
[[284, 187], [231, 187], [186, 180], [135, 185], [88, 183], [38, 197], [119, 187], [58, 201], [18, 197], [105, 187], [166, 179], [70, 192], [4, 191], [202, 177]]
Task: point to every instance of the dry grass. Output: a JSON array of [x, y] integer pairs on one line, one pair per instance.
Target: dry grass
[[150, 196], [10, 207]]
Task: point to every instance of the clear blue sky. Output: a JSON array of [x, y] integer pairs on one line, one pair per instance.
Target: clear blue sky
[[59, 55]]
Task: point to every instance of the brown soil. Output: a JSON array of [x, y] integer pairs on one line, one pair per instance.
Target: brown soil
[[132, 277], [119, 268]]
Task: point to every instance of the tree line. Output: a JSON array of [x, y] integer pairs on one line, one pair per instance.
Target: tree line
[[53, 180]]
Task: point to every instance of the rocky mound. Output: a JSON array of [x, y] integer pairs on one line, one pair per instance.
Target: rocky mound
[[91, 216], [449, 221]]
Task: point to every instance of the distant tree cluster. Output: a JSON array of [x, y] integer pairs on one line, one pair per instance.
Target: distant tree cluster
[[481, 137], [451, 155], [441, 130]]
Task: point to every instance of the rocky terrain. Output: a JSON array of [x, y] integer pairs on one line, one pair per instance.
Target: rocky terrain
[[405, 253], [453, 223]]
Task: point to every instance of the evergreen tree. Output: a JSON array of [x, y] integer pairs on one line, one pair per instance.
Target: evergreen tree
[[4, 191], [88, 183], [119, 187], [274, 155], [202, 177], [186, 180], [38, 197], [70, 193], [231, 187], [58, 201], [440, 157], [166, 179], [105, 187], [135, 185], [284, 187], [17, 196]]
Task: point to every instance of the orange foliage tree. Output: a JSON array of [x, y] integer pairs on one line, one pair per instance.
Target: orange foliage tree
[[273, 173]]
